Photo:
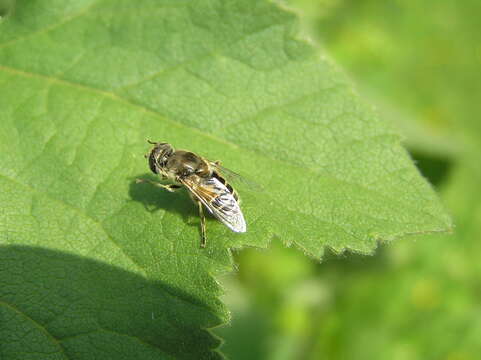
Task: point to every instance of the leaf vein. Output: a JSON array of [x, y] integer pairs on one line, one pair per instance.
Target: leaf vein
[[35, 324], [78, 211], [51, 27]]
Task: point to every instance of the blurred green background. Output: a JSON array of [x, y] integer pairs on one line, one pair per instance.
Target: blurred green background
[[418, 62]]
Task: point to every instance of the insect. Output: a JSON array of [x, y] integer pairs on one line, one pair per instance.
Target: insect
[[204, 181]]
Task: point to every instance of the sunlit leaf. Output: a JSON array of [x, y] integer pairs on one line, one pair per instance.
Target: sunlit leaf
[[94, 265]]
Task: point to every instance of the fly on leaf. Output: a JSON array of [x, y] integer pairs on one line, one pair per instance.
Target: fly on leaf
[[204, 181]]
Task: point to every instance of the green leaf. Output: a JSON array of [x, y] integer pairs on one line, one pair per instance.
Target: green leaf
[[436, 281], [94, 265], [353, 307]]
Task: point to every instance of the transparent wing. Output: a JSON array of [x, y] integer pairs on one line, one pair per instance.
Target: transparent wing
[[235, 177], [218, 200]]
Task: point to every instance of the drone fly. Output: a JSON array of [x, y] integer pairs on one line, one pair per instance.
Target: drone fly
[[204, 180]]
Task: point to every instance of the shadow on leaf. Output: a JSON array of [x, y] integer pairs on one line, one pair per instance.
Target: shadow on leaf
[[154, 198], [58, 302]]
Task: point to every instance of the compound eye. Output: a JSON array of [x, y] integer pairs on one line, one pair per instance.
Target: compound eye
[[153, 165]]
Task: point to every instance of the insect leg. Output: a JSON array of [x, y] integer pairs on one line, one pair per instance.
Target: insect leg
[[203, 239], [170, 187]]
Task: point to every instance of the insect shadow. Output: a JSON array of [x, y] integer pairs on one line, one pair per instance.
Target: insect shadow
[[154, 198]]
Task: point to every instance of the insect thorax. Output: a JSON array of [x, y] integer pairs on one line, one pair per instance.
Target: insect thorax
[[184, 163]]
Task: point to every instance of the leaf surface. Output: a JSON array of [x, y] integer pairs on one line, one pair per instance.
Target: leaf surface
[[96, 266]]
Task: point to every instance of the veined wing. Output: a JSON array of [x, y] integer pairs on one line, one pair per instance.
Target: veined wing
[[218, 200], [235, 177]]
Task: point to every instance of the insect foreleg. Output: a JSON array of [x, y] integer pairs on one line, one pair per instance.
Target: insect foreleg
[[169, 187]]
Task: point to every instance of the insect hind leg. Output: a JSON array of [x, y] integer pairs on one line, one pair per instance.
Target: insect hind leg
[[203, 239]]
